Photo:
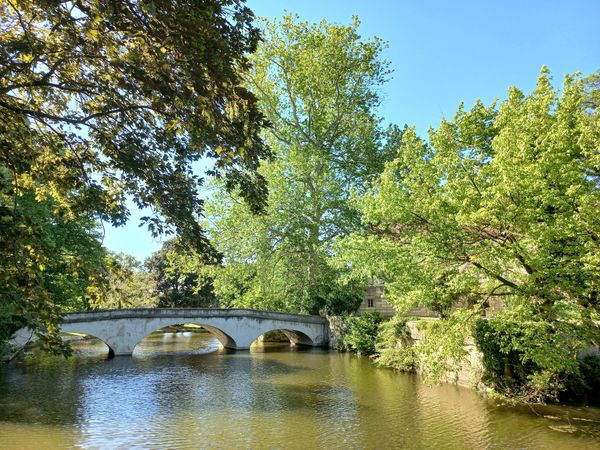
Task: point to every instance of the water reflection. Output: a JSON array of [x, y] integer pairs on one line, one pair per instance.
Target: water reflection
[[275, 396]]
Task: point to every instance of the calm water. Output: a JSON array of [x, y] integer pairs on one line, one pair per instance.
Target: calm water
[[271, 397]]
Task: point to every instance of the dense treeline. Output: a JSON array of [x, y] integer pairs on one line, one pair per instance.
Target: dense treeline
[[105, 100]]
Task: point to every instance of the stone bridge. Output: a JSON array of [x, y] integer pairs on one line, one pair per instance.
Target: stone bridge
[[123, 329]]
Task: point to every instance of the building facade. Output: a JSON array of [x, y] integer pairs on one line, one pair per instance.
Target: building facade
[[374, 300]]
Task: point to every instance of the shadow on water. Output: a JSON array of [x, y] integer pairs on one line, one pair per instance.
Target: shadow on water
[[189, 339], [279, 347]]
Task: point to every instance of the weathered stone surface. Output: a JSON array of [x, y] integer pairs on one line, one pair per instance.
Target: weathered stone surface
[[337, 329], [470, 372]]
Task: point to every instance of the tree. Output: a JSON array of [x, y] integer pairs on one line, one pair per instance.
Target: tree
[[123, 96], [48, 265], [592, 89], [101, 100], [127, 284], [501, 205], [318, 87], [179, 283]]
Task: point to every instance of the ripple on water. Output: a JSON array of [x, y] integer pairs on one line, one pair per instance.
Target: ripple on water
[[271, 397]]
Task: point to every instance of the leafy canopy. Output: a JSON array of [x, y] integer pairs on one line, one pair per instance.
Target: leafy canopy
[[100, 99], [178, 274], [318, 87]]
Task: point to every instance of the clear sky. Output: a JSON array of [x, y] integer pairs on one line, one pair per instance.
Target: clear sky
[[442, 53]]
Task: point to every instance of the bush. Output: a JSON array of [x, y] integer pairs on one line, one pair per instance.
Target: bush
[[584, 386], [393, 345], [504, 369], [361, 333], [534, 361]]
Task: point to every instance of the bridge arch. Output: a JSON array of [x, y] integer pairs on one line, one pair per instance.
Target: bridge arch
[[111, 352], [24, 337], [294, 336], [224, 339]]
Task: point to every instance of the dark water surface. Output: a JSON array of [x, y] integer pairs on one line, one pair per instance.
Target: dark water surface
[[274, 396]]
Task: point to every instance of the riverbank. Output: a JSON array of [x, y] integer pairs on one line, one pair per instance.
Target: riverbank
[[469, 358]]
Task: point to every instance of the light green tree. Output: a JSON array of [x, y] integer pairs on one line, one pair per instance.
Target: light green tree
[[501, 205], [318, 85]]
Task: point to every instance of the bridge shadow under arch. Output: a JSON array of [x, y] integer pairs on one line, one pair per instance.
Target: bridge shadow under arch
[[88, 345], [294, 337], [184, 338], [82, 344]]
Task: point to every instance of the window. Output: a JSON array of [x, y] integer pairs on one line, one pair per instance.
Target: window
[[369, 303]]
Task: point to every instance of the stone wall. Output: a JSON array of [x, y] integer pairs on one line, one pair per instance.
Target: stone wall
[[471, 370], [336, 331]]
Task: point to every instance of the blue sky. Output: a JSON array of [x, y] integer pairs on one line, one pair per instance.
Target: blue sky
[[442, 53]]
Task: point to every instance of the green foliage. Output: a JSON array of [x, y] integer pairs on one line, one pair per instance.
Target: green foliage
[[592, 92], [48, 265], [393, 345], [361, 332], [531, 360], [318, 86], [128, 285], [180, 283], [585, 385], [123, 97], [500, 205], [441, 352], [507, 370]]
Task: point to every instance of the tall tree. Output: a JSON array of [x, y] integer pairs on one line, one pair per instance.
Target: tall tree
[[502, 204], [104, 99], [318, 87]]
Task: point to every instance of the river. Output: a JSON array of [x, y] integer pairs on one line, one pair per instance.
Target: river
[[180, 390]]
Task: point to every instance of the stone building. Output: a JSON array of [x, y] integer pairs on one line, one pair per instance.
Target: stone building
[[374, 300]]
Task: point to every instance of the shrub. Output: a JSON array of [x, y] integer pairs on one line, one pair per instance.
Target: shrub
[[534, 360], [584, 385], [362, 332], [393, 345]]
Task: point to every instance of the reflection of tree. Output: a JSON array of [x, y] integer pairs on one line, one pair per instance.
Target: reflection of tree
[[43, 388], [453, 415]]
